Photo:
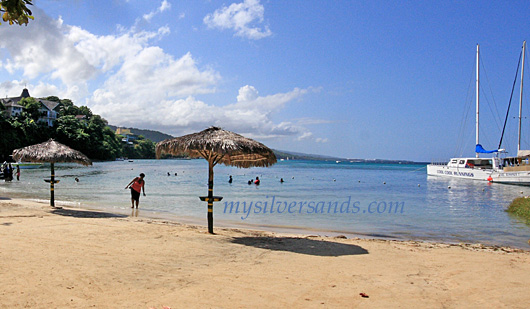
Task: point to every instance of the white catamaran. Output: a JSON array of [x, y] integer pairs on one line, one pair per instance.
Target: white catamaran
[[509, 170]]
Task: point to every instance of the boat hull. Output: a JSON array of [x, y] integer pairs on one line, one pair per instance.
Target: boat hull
[[515, 178], [457, 172], [27, 165]]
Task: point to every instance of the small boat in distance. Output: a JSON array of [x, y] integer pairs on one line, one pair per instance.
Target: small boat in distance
[[26, 165], [509, 170]]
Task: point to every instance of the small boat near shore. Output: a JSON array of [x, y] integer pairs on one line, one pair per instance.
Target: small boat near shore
[[26, 165]]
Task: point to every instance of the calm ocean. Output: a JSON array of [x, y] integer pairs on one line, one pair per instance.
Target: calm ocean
[[394, 201]]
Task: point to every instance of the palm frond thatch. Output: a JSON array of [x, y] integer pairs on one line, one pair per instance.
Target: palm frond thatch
[[50, 152], [221, 146]]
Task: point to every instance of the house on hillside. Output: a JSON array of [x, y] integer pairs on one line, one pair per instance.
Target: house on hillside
[[128, 136], [11, 109], [48, 111]]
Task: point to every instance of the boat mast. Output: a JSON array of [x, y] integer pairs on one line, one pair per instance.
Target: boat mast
[[521, 100], [477, 99]]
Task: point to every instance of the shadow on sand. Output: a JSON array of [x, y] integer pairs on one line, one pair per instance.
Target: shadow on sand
[[85, 213], [301, 245]]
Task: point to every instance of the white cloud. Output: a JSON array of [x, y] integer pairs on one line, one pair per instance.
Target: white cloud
[[247, 93], [165, 5], [42, 50], [305, 135], [131, 82], [251, 117], [244, 18]]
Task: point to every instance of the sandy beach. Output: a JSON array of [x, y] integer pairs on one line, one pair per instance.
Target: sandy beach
[[74, 258]]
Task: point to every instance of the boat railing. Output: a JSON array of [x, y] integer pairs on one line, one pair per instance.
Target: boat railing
[[438, 162]]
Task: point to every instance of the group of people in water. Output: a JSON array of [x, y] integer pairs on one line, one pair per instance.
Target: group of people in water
[[256, 181], [7, 171]]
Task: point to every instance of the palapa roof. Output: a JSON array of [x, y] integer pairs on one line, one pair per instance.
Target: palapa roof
[[221, 146], [50, 152]]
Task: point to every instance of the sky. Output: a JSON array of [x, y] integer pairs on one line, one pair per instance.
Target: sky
[[353, 79]]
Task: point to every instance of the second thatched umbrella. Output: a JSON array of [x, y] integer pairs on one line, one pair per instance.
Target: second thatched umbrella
[[218, 146], [50, 152]]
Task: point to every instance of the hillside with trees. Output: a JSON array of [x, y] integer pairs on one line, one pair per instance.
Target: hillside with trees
[[153, 135], [75, 126]]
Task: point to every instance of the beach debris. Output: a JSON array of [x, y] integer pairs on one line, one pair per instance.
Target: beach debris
[[341, 237], [364, 295]]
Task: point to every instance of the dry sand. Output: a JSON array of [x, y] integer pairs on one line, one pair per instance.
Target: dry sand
[[73, 258]]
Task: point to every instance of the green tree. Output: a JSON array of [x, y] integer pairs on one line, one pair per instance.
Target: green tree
[[31, 107], [9, 139], [90, 135], [68, 108], [84, 110], [53, 98], [16, 11], [145, 149], [71, 132], [111, 144]]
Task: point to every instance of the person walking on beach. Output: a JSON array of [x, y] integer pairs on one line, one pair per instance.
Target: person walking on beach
[[137, 185]]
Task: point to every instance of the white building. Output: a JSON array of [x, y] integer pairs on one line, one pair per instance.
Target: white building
[[49, 110]]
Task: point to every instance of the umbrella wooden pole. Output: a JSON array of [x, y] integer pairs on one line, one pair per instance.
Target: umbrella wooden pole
[[52, 186], [210, 196]]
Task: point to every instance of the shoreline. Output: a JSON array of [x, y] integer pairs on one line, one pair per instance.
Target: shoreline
[[264, 228], [80, 258]]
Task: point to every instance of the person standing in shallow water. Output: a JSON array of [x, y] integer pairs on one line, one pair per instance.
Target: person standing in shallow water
[[137, 185]]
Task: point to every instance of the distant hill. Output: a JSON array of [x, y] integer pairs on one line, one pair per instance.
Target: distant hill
[[282, 154], [152, 135], [157, 136]]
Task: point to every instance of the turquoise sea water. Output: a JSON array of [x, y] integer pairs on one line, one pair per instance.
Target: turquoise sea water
[[395, 201]]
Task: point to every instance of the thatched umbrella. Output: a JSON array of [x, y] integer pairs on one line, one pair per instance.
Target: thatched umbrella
[[218, 146], [50, 152]]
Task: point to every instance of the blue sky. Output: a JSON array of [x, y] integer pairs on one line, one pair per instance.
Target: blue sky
[[355, 79]]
